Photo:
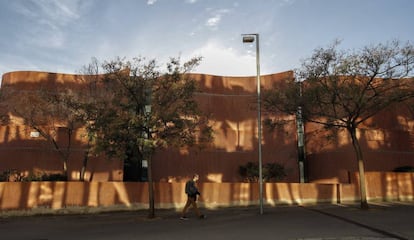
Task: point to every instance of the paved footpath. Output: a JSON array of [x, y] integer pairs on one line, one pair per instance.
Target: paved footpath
[[320, 222]]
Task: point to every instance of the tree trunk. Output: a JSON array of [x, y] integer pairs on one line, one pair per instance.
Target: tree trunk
[[150, 189], [64, 157], [361, 168], [67, 154], [65, 169], [84, 163]]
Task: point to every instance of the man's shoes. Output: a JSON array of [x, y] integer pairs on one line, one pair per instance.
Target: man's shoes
[[201, 217]]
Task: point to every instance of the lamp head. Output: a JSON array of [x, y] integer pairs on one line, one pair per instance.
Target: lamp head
[[248, 38]]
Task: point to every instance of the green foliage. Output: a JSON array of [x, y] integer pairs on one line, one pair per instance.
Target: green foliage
[[8, 175], [274, 171], [53, 177], [342, 89], [249, 172], [138, 106], [40, 111], [271, 172], [12, 175], [130, 108]]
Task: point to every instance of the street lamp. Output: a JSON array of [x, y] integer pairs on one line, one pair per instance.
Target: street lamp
[[249, 38]]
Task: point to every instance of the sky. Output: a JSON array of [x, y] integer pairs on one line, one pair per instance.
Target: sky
[[64, 35]]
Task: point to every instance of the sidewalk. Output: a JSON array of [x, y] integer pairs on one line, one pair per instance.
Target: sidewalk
[[328, 222], [391, 220]]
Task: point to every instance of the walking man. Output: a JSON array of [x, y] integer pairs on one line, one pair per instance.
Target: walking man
[[192, 191]]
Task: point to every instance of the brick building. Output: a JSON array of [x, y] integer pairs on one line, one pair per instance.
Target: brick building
[[387, 140]]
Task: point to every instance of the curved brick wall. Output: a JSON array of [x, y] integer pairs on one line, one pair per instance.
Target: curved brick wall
[[230, 101]]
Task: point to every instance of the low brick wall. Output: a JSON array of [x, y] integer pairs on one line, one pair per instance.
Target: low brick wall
[[66, 195], [388, 185]]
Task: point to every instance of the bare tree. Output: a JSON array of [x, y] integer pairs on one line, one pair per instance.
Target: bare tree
[[39, 110]]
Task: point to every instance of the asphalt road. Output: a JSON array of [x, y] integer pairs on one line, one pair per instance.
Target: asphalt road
[[346, 222]]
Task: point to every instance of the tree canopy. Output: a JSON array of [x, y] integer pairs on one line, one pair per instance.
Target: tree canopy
[[39, 110], [131, 108], [135, 103], [342, 89]]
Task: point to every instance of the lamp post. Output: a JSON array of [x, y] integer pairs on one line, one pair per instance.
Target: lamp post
[[249, 38], [148, 160]]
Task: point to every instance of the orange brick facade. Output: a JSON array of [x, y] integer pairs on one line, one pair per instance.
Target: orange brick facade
[[231, 104]]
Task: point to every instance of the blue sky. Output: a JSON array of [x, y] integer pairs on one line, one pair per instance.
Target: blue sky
[[63, 35]]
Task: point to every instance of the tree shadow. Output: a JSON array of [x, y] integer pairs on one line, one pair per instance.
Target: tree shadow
[[387, 141], [231, 103], [24, 151]]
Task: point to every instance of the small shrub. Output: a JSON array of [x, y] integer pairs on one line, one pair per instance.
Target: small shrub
[[5, 176], [271, 172], [274, 171], [12, 175], [51, 177], [249, 172], [404, 169], [54, 177]]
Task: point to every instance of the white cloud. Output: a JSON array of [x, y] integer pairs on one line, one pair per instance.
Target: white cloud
[[218, 60], [287, 2], [191, 1], [49, 19], [66, 11], [151, 2], [55, 12], [215, 19]]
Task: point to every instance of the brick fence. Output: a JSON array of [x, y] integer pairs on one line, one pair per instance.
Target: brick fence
[[382, 186]]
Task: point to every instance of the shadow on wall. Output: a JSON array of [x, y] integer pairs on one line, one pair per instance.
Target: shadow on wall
[[230, 102], [65, 195], [35, 155], [387, 142], [22, 149], [387, 138], [60, 195], [44, 196]]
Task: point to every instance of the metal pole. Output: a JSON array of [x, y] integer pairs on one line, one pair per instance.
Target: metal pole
[[259, 124], [249, 38]]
